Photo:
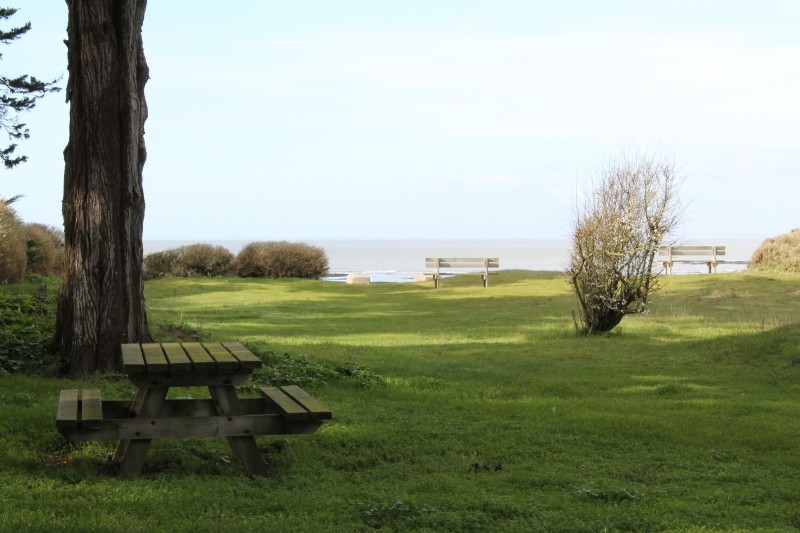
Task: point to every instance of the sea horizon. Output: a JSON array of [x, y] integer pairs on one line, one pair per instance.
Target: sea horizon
[[402, 259]]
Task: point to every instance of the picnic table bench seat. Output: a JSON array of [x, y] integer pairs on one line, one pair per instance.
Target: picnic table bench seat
[[73, 413], [295, 412]]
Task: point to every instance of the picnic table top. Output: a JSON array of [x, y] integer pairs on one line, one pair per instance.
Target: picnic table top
[[187, 358]]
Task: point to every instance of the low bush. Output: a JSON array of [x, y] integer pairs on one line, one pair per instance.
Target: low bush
[[27, 322], [281, 260], [160, 264], [778, 254], [203, 260], [12, 246], [188, 261]]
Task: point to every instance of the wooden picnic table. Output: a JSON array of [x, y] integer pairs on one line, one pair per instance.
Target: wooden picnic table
[[155, 368]]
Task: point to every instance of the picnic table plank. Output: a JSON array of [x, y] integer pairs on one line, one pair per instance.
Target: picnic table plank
[[199, 356], [154, 358], [290, 409], [139, 429], [316, 409], [67, 414], [246, 358], [178, 360], [225, 359], [91, 409], [132, 359]]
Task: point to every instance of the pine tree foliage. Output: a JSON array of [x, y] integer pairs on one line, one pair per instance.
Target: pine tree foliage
[[17, 95]]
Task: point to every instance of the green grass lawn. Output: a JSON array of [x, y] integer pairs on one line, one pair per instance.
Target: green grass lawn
[[491, 414]]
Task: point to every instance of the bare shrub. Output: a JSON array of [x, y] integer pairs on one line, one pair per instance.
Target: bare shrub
[[187, 261], [12, 245], [282, 260], [778, 254], [618, 228], [203, 260], [160, 264]]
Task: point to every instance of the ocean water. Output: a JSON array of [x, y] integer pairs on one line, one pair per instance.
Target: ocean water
[[400, 260]]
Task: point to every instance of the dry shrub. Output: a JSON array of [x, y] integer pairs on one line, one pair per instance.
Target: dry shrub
[[203, 260], [281, 260], [160, 264], [44, 248], [778, 254], [618, 228], [188, 261], [12, 246]]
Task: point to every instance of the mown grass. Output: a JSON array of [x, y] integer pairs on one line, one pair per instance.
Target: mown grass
[[492, 415]]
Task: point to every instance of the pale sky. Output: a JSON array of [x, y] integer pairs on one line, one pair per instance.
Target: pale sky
[[325, 119]]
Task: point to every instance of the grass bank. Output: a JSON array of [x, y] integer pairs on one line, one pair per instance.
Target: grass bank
[[491, 415]]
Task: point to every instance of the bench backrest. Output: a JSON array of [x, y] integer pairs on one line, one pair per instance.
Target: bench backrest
[[462, 262], [692, 251]]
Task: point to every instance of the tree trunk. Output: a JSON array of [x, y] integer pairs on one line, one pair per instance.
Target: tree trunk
[[101, 300]]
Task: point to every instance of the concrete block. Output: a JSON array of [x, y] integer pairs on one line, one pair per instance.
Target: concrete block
[[357, 279], [423, 277]]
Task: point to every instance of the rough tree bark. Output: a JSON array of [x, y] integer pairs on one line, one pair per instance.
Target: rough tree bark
[[101, 299]]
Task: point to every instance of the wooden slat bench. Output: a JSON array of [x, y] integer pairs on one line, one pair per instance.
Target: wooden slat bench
[[669, 255], [74, 413], [484, 263], [84, 416], [85, 420]]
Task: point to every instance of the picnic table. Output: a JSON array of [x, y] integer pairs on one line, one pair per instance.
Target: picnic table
[[154, 368]]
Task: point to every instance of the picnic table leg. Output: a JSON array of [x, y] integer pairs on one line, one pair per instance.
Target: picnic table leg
[[227, 403], [131, 453], [136, 408]]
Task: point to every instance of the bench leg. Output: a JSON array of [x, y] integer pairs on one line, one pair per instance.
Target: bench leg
[[131, 453], [227, 403]]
